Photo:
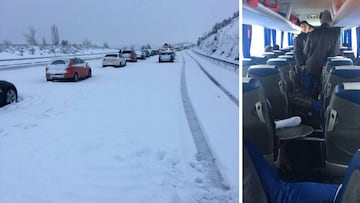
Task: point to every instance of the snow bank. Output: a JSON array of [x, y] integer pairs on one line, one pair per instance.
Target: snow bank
[[224, 44]]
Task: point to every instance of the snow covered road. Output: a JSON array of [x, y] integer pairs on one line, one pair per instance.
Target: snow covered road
[[120, 136]]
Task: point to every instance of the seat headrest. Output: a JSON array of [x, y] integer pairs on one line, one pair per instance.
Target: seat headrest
[[346, 71], [250, 84], [287, 57], [247, 61], [334, 57], [340, 62], [277, 61], [263, 70], [348, 52], [349, 91], [270, 54]]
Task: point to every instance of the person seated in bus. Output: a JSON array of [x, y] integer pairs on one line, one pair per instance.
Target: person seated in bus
[[277, 190], [299, 55], [268, 48], [321, 43], [276, 47]]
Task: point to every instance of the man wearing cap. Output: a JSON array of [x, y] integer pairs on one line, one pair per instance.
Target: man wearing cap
[[321, 43], [299, 44]]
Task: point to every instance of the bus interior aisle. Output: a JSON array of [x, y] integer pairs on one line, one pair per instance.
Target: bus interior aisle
[[273, 89]]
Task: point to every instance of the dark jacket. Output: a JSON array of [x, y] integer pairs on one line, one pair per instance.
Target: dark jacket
[[299, 44], [320, 44]]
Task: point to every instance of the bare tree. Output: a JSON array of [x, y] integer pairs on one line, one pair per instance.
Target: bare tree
[[44, 41], [55, 35], [87, 43], [65, 43], [106, 45], [30, 37], [7, 43]]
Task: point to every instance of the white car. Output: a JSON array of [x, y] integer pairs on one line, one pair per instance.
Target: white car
[[166, 56], [114, 60], [140, 54]]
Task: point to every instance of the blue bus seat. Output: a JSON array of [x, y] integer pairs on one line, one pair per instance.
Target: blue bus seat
[[331, 63], [258, 127], [350, 190], [275, 88], [341, 127], [337, 75], [286, 68], [349, 54]]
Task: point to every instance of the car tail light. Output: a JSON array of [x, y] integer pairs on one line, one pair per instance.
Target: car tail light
[[114, 59]]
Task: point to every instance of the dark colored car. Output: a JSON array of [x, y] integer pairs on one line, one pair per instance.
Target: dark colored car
[[8, 93]]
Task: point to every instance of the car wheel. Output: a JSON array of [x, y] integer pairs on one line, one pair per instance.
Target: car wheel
[[11, 96], [104, 66], [125, 63], [76, 77], [89, 74]]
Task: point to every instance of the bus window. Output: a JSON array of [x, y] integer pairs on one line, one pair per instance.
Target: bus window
[[257, 42], [354, 41]]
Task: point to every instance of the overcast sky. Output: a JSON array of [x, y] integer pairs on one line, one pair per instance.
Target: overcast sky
[[117, 22]]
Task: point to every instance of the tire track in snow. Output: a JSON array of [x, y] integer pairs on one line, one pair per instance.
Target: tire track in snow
[[204, 154], [231, 97]]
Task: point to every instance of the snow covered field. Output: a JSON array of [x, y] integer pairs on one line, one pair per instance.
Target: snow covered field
[[120, 136]]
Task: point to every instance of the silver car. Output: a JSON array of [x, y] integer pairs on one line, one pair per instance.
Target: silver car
[[114, 60], [166, 56]]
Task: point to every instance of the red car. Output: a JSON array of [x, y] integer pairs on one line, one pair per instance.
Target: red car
[[67, 69]]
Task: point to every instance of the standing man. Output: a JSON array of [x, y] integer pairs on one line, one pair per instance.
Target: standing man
[[300, 59], [321, 43]]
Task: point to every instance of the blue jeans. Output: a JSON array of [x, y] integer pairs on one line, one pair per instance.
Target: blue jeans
[[311, 84]]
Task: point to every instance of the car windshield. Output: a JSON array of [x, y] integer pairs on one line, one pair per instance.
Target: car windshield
[[111, 55], [58, 62]]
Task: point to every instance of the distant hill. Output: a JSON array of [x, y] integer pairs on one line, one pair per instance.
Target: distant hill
[[222, 41]]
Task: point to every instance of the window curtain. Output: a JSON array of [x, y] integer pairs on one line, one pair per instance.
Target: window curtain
[[273, 37], [290, 39], [347, 38], [267, 37], [246, 35], [358, 41]]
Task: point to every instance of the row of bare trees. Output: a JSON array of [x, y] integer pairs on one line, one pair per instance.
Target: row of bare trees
[[31, 38]]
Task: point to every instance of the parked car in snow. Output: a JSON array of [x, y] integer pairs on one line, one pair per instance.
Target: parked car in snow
[[146, 52], [140, 54], [8, 93], [68, 69], [154, 52], [166, 56], [114, 60], [130, 55]]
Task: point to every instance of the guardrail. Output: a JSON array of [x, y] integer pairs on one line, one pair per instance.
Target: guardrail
[[233, 64], [18, 63]]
